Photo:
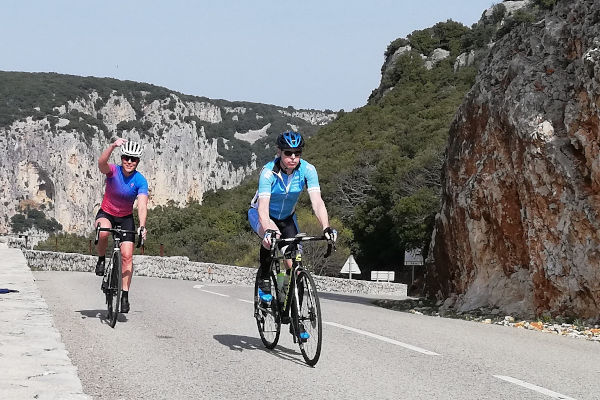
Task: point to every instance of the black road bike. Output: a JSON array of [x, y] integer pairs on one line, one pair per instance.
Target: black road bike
[[112, 281], [299, 297]]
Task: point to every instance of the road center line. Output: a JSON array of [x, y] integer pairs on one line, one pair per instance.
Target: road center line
[[531, 386], [383, 338], [218, 294], [246, 301]]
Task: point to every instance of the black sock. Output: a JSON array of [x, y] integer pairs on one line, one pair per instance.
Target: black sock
[[101, 258], [125, 294]]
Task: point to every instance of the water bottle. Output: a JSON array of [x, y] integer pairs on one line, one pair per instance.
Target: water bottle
[[286, 281], [281, 285]]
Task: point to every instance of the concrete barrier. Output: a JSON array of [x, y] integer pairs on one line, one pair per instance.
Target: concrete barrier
[[34, 363], [182, 268]]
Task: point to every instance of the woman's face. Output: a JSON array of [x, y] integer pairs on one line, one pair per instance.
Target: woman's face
[[129, 163]]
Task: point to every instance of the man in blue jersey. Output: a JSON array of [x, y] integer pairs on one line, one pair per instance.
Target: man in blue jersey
[[279, 186]]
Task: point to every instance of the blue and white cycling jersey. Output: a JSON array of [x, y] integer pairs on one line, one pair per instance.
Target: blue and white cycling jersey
[[284, 190]]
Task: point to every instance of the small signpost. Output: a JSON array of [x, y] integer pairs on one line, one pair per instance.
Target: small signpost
[[413, 257], [350, 267], [387, 276]]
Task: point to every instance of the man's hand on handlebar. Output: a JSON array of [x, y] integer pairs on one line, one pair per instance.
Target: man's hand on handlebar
[[330, 234], [269, 238]]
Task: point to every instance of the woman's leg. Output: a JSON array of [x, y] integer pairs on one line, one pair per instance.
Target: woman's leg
[[103, 239], [127, 255]]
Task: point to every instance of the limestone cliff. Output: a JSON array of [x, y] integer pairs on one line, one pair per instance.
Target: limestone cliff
[[191, 145], [519, 226]]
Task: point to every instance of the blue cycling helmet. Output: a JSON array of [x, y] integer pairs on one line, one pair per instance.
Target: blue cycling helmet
[[290, 140]]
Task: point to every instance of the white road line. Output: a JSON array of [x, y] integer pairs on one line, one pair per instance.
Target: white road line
[[246, 301], [383, 338], [531, 386], [218, 294], [198, 286]]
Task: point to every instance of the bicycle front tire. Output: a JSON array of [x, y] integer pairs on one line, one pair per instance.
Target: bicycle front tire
[[307, 311], [268, 318], [115, 288]]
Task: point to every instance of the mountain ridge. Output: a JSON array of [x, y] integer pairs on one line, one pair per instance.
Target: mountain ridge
[[54, 127]]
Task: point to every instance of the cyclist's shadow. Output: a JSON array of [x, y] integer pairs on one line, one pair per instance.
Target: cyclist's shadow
[[101, 315], [241, 343]]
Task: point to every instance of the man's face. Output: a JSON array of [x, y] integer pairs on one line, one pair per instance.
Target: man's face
[[290, 158]]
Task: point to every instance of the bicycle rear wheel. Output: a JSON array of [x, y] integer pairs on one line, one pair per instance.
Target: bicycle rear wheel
[[307, 318], [115, 287], [267, 316]]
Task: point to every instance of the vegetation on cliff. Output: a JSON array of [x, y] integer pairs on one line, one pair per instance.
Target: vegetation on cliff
[[44, 95]]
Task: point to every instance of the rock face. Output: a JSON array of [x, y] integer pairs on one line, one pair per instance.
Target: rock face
[[47, 164], [519, 228]]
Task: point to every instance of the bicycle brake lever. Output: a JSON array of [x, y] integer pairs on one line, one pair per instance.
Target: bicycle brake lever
[[140, 237], [97, 234], [328, 253]]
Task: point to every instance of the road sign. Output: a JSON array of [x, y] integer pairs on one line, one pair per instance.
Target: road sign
[[350, 267], [387, 276], [413, 257]]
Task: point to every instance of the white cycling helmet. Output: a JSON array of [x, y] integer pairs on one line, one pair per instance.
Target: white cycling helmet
[[132, 149]]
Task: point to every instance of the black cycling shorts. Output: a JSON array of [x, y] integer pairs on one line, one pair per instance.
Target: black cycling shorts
[[125, 222], [287, 226]]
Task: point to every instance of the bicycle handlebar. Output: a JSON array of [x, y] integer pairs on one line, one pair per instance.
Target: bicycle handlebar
[[303, 238], [117, 231]]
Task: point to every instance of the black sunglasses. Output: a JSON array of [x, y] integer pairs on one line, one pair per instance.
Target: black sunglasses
[[289, 153], [130, 158]]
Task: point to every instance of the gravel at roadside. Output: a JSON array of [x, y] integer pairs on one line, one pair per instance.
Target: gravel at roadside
[[563, 327]]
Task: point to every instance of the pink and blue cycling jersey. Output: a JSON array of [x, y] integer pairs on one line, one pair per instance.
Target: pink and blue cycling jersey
[[121, 191]]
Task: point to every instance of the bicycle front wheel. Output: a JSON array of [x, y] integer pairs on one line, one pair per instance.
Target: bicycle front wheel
[[267, 315], [115, 288], [307, 316]]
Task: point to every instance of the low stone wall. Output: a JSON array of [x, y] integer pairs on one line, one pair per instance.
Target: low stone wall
[[182, 268], [14, 241]]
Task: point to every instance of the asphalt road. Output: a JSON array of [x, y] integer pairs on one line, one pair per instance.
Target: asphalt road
[[189, 340]]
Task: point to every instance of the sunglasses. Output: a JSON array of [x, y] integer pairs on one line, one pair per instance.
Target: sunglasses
[[289, 153], [130, 158]]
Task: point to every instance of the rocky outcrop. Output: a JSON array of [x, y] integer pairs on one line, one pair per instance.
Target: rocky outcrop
[[58, 172], [519, 228], [436, 56], [49, 160]]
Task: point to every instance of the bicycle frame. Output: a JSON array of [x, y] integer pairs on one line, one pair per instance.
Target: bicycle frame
[[305, 319], [117, 234]]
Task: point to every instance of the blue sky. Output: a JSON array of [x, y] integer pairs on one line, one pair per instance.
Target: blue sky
[[323, 54]]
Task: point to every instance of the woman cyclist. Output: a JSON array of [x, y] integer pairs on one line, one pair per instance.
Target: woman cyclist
[[271, 214], [123, 185]]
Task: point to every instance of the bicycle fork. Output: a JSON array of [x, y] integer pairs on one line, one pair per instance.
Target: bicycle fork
[[108, 272]]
